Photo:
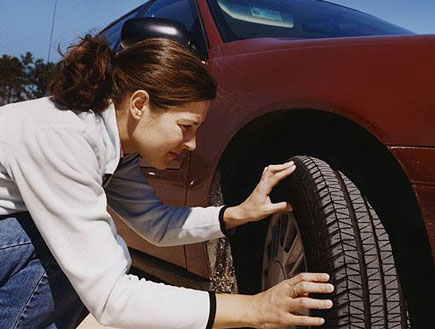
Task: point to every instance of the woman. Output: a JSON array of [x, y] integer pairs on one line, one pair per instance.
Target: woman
[[63, 159]]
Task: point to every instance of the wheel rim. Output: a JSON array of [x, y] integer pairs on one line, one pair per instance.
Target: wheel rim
[[284, 254]]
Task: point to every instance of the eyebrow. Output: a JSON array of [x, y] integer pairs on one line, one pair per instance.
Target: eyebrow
[[196, 123]]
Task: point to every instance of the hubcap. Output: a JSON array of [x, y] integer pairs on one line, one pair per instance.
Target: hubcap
[[283, 255]]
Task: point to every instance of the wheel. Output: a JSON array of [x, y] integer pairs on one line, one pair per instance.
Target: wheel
[[284, 254], [334, 229]]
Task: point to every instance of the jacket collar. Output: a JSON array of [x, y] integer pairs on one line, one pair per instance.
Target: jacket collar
[[111, 125]]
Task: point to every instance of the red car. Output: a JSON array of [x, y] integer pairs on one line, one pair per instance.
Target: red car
[[351, 99]]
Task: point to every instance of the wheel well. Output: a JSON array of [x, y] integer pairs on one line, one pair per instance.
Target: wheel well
[[350, 148]]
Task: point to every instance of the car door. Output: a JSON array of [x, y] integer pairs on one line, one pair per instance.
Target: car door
[[170, 184]]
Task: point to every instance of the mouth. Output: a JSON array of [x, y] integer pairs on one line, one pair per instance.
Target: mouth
[[175, 155], [172, 154]]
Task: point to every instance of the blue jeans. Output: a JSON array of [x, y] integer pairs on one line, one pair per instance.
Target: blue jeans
[[34, 292]]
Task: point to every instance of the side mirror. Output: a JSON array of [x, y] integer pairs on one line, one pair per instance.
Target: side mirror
[[138, 29]]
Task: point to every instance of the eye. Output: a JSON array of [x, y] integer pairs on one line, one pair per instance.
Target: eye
[[185, 127]]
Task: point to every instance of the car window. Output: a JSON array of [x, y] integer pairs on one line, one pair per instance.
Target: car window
[[306, 19], [182, 11], [113, 31]]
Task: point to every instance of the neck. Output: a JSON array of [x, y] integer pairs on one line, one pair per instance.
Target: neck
[[122, 121]]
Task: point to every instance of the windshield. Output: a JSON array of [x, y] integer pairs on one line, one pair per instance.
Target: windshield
[[306, 19]]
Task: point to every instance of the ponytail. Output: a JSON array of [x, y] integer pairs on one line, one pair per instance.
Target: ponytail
[[91, 75], [84, 80]]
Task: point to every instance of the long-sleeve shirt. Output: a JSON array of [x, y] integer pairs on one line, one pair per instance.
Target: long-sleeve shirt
[[52, 164]]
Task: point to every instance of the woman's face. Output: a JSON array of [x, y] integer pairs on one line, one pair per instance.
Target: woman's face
[[161, 136]]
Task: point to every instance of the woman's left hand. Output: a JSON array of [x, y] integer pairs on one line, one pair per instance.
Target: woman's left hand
[[258, 205]]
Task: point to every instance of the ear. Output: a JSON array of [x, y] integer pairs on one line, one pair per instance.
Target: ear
[[139, 104]]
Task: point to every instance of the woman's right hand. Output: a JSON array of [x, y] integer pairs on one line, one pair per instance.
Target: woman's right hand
[[280, 305]]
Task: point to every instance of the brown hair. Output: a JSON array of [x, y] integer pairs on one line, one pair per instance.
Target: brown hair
[[90, 74]]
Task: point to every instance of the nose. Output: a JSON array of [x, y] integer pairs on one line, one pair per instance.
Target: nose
[[190, 143]]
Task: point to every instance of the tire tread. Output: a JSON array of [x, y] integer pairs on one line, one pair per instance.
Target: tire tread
[[355, 249]]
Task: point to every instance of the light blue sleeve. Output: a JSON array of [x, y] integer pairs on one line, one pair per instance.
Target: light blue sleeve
[[132, 197], [58, 174]]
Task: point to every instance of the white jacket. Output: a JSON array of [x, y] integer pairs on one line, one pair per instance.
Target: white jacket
[[52, 164]]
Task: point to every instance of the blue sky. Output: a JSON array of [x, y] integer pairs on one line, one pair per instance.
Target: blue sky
[[414, 15], [25, 25]]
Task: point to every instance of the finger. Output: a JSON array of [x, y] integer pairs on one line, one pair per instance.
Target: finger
[[280, 167], [315, 277], [307, 287], [272, 169], [279, 175], [281, 206], [270, 181], [306, 303], [303, 320]]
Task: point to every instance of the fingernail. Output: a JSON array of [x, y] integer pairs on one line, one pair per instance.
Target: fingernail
[[326, 276], [331, 287]]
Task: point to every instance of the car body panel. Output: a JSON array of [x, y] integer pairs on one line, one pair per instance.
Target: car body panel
[[426, 199], [197, 259], [417, 162], [213, 36], [324, 73]]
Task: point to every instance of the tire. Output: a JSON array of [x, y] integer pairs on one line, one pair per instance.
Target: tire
[[334, 229]]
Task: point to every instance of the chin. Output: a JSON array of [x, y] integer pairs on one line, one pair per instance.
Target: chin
[[162, 165]]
